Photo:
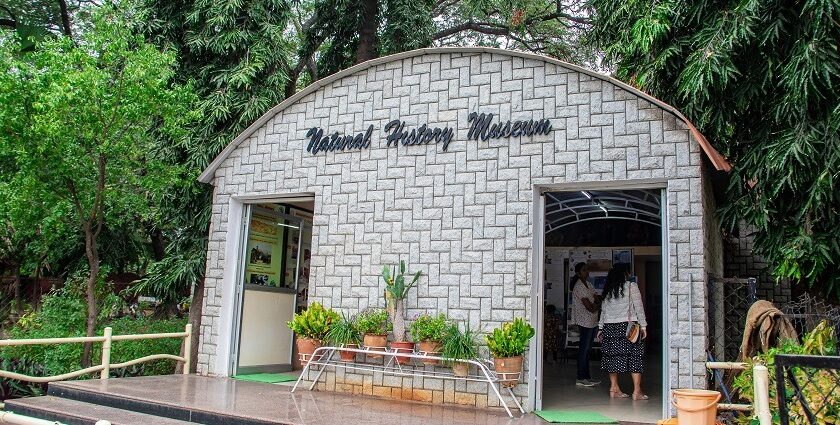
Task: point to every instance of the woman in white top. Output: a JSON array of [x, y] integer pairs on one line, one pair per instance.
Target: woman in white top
[[622, 305]]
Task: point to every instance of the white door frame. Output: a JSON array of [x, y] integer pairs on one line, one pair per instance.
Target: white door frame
[[535, 354], [235, 236]]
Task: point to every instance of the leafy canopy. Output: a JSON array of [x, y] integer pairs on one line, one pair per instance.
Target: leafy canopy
[[761, 79]]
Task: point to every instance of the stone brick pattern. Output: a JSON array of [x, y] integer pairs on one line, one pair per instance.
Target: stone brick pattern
[[742, 262], [464, 216]]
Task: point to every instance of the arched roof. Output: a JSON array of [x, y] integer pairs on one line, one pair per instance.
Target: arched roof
[[718, 161]]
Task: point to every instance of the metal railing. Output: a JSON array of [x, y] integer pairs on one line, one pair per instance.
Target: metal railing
[[105, 367], [760, 408], [324, 357], [806, 388]]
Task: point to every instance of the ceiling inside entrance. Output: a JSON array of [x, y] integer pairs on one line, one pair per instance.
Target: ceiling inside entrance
[[566, 208]]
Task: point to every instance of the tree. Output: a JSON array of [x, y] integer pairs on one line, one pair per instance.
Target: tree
[[761, 79], [85, 144]]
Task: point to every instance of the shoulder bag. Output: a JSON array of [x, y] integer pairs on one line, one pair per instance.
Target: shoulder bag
[[634, 329]]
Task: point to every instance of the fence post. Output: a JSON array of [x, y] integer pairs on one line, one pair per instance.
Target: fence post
[[187, 348], [106, 354], [761, 394]]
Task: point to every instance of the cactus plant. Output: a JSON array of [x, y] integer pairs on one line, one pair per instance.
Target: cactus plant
[[397, 290]]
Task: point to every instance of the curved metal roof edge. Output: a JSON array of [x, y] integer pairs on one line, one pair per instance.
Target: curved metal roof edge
[[717, 159]]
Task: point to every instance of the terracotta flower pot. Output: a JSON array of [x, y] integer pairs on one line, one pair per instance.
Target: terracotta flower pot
[[509, 370], [348, 356], [305, 348], [402, 347], [429, 348], [460, 369], [375, 343]]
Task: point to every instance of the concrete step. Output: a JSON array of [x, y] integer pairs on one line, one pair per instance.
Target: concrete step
[[165, 401], [74, 412]]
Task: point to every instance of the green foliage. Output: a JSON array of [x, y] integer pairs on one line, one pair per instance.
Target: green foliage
[[122, 351], [314, 322], [511, 339], [761, 80], [395, 282], [460, 345], [344, 332], [430, 328], [63, 314], [818, 386], [373, 322]]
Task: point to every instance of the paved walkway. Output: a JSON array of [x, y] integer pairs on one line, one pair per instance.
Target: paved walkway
[[183, 399], [275, 404]]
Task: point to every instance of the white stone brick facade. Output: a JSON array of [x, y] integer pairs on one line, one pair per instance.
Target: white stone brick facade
[[465, 216]]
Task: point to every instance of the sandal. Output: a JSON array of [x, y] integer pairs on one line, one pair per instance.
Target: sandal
[[640, 396], [618, 394]]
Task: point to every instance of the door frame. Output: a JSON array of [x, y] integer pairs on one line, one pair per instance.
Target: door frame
[[235, 240], [239, 306], [535, 354]]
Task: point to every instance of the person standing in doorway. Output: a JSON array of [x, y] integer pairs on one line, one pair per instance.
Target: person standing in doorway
[[585, 316], [621, 310]]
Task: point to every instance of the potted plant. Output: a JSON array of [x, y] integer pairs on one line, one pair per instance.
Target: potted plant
[[344, 333], [373, 325], [459, 345], [428, 333], [506, 344], [311, 326], [396, 290]]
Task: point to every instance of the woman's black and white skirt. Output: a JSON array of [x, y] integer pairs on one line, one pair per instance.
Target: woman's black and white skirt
[[618, 355]]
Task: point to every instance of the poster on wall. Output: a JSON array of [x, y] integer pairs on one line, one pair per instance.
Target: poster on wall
[[623, 258], [263, 250]]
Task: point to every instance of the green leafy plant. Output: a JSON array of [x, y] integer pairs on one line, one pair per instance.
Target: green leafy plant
[[430, 328], [314, 322], [373, 322], [344, 332], [511, 339], [817, 384], [459, 345], [63, 313]]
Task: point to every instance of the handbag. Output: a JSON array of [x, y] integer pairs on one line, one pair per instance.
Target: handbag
[[634, 329]]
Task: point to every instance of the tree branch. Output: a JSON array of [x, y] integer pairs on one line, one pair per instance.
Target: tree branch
[[482, 27], [65, 18]]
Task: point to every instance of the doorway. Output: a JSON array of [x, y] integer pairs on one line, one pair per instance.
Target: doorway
[[272, 284], [600, 229]]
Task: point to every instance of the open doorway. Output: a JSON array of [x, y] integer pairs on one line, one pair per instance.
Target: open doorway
[[273, 284], [597, 230]]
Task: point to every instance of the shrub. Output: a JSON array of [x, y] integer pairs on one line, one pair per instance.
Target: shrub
[[63, 313], [819, 384], [429, 328], [314, 322], [511, 339], [373, 322]]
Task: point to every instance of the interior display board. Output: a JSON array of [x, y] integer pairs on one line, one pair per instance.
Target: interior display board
[[264, 250]]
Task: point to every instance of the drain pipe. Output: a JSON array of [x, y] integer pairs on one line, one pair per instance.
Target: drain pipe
[[691, 328]]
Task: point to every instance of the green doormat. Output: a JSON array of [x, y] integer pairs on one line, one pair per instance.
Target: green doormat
[[574, 417], [268, 378]]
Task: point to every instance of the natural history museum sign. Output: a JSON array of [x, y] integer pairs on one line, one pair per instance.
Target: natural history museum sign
[[481, 127]]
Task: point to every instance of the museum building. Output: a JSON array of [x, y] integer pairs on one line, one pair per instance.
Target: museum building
[[493, 172]]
